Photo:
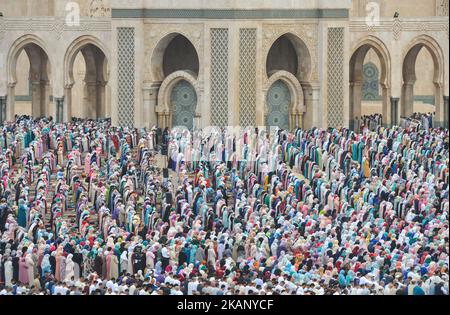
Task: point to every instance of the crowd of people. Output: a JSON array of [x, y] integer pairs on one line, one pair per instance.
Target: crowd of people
[[418, 121], [370, 122], [89, 209]]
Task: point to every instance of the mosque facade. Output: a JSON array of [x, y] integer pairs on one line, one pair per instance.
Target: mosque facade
[[200, 63]]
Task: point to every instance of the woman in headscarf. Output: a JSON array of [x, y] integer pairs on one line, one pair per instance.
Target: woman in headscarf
[[342, 280], [57, 256], [8, 266], [113, 266], [150, 258], [70, 265], [62, 270], [52, 260], [45, 265], [23, 270], [98, 263], [88, 262], [124, 261], [22, 213], [211, 256]]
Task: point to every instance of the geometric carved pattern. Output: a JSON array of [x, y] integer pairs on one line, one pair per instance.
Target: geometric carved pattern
[[370, 82], [247, 77], [184, 101], [397, 29], [278, 100], [126, 75], [219, 77], [335, 75]]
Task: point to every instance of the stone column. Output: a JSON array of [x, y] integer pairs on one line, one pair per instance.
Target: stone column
[[356, 99], [314, 115], [45, 99], [386, 110], [10, 102], [150, 102], [446, 111], [36, 101], [67, 115], [439, 117], [159, 120], [59, 101], [166, 119], [101, 99], [3, 108], [394, 111], [294, 121], [90, 110], [408, 99]]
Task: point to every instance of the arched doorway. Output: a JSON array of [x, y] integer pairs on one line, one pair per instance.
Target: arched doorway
[[30, 72], [86, 70], [288, 67], [429, 51], [369, 82], [183, 99], [176, 64]]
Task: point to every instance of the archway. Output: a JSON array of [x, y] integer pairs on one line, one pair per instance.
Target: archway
[[288, 67], [174, 52], [175, 64], [370, 82], [179, 96], [86, 75], [415, 49], [38, 78]]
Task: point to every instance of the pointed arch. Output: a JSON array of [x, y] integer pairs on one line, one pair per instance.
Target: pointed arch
[[410, 54], [356, 78], [303, 55], [159, 52], [96, 56], [40, 68]]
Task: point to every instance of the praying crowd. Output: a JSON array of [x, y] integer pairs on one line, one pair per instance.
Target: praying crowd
[[90, 209], [370, 122]]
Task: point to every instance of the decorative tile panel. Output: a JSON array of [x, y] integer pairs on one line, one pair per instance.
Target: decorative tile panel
[[247, 77], [126, 75], [371, 82], [278, 100], [219, 77], [335, 75], [184, 101]]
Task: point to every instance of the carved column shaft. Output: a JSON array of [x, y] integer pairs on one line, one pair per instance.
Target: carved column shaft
[[3, 100]]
